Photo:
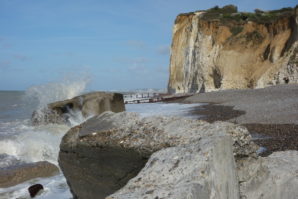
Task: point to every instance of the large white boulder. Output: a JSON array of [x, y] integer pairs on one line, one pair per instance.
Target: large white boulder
[[187, 158]]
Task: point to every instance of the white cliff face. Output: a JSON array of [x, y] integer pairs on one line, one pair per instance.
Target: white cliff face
[[217, 54]]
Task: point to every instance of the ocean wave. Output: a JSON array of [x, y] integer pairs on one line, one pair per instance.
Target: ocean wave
[[35, 143], [57, 91]]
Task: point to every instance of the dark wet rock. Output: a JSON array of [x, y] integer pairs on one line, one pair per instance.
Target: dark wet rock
[[85, 105], [35, 189], [14, 175]]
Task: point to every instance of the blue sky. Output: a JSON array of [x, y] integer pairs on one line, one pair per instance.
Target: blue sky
[[118, 44]]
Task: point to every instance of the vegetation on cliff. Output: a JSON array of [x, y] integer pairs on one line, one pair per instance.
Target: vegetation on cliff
[[229, 16], [230, 13], [221, 48]]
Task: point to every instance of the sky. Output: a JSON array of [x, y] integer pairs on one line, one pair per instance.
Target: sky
[[116, 44]]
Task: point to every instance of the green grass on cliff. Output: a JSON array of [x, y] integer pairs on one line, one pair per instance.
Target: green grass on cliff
[[230, 13], [224, 10], [229, 16]]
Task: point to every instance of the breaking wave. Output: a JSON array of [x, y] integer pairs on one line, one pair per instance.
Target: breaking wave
[[21, 142], [57, 91]]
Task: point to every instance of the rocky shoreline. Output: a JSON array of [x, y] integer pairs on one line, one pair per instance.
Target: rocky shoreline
[[176, 157], [276, 137], [76, 109], [243, 145], [268, 112], [121, 155]]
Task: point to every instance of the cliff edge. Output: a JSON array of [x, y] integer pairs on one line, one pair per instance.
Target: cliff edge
[[222, 48]]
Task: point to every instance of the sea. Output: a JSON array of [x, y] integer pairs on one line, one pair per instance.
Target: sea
[[21, 142]]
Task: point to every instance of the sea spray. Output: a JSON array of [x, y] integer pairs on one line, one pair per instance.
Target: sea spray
[[75, 117], [22, 142], [52, 92], [36, 143], [57, 91]]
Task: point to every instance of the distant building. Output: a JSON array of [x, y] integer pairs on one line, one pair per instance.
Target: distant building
[[137, 97]]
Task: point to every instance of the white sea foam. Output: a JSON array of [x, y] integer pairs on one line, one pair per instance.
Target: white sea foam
[[21, 142], [9, 147], [8, 160], [54, 187], [75, 117], [12, 128], [57, 91], [35, 143]]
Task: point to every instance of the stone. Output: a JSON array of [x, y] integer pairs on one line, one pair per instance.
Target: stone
[[272, 177], [202, 171], [153, 157], [125, 156], [35, 189], [83, 106], [14, 175], [210, 52]]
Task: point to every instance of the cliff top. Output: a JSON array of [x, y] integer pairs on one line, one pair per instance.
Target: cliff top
[[230, 13]]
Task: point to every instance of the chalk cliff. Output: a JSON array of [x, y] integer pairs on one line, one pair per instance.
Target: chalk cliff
[[222, 48]]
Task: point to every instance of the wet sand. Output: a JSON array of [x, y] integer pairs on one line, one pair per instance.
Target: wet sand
[[271, 113]]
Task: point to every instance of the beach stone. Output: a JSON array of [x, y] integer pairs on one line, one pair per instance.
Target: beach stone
[[206, 170], [86, 105], [272, 105], [272, 177], [14, 175], [153, 157], [34, 190]]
